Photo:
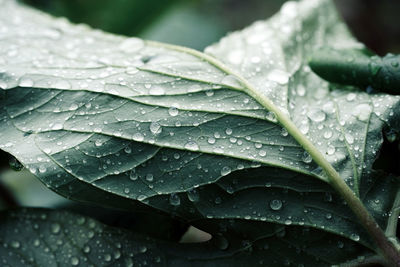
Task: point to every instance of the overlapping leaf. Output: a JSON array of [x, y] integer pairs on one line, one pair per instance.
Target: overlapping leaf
[[59, 238], [110, 120]]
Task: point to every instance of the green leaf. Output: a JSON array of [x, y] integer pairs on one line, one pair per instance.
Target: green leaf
[[135, 124], [353, 67], [38, 237]]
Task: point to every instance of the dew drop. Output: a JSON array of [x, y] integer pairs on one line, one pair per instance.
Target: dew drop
[[173, 111], [275, 204], [331, 150], [279, 76], [316, 115], [98, 142], [55, 228], [362, 112], [133, 175], [328, 134], [225, 170], [149, 177], [138, 137], [74, 261], [306, 157], [155, 128], [174, 199], [193, 195], [192, 146], [349, 138]]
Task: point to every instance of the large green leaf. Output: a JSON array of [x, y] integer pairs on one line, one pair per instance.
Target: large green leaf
[[127, 123], [37, 237]]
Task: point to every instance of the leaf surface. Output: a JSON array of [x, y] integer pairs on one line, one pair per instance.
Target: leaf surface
[[125, 122]]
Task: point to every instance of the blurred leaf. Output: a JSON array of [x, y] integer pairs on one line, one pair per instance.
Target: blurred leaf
[[37, 237]]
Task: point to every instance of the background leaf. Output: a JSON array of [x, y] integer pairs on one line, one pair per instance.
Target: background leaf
[[36, 237]]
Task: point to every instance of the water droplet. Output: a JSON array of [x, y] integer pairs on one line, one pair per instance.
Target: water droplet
[[304, 128], [275, 204], [349, 138], [211, 140], [301, 90], [55, 228], [328, 134], [128, 150], [155, 128], [173, 111], [225, 170], [133, 175], [350, 97], [316, 115], [306, 157], [98, 142], [331, 150], [86, 249], [74, 261], [131, 45], [279, 76], [15, 244], [42, 169], [149, 177], [355, 237], [228, 131], [174, 199], [193, 195], [107, 257], [192, 145], [138, 137], [73, 107], [362, 112]]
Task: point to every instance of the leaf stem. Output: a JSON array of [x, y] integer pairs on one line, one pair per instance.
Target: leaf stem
[[385, 247], [394, 216]]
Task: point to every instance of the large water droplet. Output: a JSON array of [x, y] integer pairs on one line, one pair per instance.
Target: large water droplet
[[316, 115], [193, 195], [155, 128], [275, 204], [306, 157], [173, 111], [362, 112], [192, 145], [279, 76], [225, 170], [174, 199]]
